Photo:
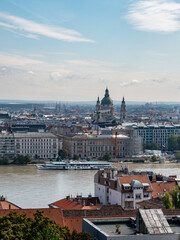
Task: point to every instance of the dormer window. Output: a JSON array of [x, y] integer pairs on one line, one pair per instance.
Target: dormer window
[[126, 186], [146, 186]]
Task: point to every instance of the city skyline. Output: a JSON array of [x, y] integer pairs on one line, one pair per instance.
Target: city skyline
[[71, 50]]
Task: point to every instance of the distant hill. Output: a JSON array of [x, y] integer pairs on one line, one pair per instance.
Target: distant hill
[[82, 103]]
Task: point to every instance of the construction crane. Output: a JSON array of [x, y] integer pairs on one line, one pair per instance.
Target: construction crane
[[114, 138], [29, 118]]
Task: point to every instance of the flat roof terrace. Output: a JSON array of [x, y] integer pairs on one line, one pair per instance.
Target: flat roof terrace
[[125, 227], [105, 229]]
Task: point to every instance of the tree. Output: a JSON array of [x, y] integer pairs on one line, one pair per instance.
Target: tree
[[175, 194], [178, 142], [15, 226], [81, 236], [107, 157], [63, 154], [167, 201], [4, 160], [75, 157], [177, 155], [154, 158], [172, 143], [21, 159], [151, 146], [18, 226]]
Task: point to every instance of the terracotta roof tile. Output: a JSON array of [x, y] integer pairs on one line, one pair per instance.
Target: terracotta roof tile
[[68, 204], [162, 187], [140, 178]]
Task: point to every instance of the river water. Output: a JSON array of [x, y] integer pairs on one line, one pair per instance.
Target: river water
[[28, 187]]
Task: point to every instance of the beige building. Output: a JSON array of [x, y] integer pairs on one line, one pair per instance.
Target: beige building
[[94, 146], [37, 145]]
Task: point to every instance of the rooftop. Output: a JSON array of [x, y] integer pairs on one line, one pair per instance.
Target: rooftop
[[159, 188], [155, 221], [34, 135], [136, 180]]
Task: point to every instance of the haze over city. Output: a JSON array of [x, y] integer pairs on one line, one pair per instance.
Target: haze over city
[[71, 50]]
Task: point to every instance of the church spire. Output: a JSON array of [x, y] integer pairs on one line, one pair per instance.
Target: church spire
[[106, 92], [123, 114], [98, 101]]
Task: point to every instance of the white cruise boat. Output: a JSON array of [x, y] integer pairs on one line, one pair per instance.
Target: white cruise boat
[[74, 165]]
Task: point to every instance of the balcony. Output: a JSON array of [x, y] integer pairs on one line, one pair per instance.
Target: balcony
[[129, 198]]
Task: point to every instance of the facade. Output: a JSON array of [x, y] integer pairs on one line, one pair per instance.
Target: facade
[[7, 144], [37, 145], [156, 133], [104, 114], [123, 114], [94, 146], [126, 191]]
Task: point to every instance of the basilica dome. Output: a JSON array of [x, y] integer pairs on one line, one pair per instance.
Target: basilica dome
[[106, 100]]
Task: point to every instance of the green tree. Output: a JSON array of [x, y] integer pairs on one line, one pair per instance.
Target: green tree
[[107, 157], [45, 229], [21, 159], [63, 154], [4, 160], [151, 146], [178, 142], [167, 201], [76, 157], [175, 194], [172, 143], [81, 236], [154, 158], [15, 226], [177, 155]]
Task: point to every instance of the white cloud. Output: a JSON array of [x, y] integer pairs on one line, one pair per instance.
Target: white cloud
[[59, 33], [32, 36], [25, 78], [135, 81], [16, 60], [31, 72], [130, 83], [155, 15], [94, 63]]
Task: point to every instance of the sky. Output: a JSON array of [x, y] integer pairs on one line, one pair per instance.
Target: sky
[[71, 50]]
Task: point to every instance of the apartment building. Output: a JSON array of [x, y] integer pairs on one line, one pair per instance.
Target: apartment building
[[37, 145], [126, 191], [7, 144], [156, 133]]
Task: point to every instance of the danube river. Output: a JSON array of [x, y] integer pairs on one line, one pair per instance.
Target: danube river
[[28, 187]]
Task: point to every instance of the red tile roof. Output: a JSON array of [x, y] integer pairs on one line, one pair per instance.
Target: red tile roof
[[140, 178], [162, 187], [70, 204]]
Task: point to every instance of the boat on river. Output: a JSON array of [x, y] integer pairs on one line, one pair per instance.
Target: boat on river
[[75, 165]]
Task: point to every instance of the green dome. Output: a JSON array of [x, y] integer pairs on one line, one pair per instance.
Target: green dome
[[106, 100]]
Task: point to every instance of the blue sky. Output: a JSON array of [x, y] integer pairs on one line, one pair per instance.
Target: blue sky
[[72, 49]]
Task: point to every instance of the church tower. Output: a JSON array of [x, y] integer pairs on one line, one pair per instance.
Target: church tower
[[123, 114], [104, 114]]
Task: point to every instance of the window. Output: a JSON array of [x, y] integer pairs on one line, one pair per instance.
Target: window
[[146, 195], [138, 196]]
